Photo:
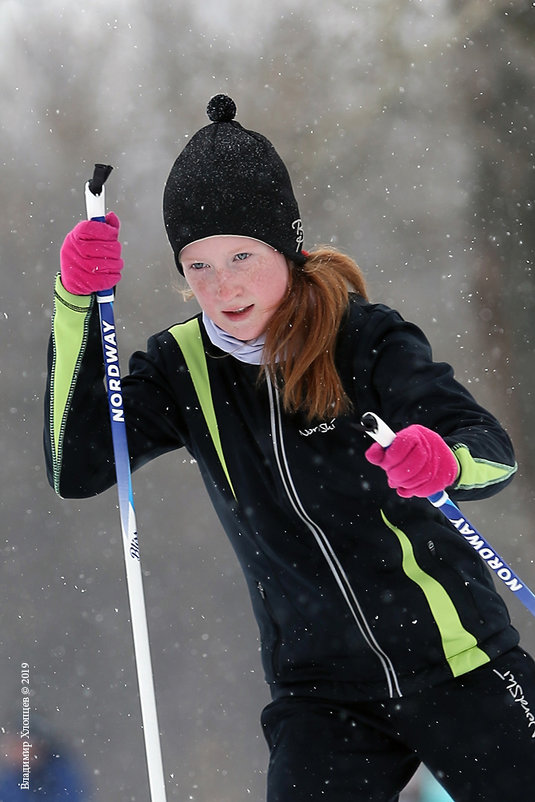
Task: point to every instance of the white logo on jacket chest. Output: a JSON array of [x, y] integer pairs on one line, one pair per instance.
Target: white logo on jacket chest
[[321, 428]]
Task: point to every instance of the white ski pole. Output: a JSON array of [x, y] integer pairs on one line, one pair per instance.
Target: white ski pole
[[383, 434], [96, 210]]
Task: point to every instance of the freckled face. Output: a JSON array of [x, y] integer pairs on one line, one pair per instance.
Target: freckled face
[[238, 282]]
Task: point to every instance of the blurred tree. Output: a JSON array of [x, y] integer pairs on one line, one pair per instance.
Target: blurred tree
[[496, 81]]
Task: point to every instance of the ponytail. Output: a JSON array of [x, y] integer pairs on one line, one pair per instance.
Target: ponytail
[[301, 336]]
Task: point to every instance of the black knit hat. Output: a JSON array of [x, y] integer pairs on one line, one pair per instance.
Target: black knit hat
[[229, 180]]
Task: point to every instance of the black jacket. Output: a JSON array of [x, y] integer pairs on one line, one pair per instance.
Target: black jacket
[[349, 583]]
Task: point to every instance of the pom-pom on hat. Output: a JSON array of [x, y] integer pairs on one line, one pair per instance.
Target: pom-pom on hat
[[229, 180]]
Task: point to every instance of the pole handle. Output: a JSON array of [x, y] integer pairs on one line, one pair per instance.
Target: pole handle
[[378, 429], [95, 206], [95, 195]]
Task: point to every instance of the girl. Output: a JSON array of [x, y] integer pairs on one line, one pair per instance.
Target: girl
[[384, 642]]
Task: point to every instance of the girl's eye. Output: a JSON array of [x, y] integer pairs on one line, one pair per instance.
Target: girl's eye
[[240, 257], [197, 265]]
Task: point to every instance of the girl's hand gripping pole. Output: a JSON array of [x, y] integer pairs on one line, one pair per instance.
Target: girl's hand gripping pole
[[379, 431], [96, 210]]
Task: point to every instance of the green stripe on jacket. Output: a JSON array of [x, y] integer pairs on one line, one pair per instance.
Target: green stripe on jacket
[[479, 473], [188, 337], [460, 646], [70, 322]]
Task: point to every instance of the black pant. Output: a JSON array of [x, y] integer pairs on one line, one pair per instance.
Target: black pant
[[476, 734]]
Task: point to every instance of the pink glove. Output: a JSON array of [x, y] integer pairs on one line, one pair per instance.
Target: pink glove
[[418, 463], [90, 257]]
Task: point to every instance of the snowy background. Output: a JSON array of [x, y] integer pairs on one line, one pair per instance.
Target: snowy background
[[408, 130]]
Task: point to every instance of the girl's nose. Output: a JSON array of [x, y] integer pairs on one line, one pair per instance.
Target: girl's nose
[[227, 285]]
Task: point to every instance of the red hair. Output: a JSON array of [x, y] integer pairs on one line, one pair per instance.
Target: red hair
[[301, 335]]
